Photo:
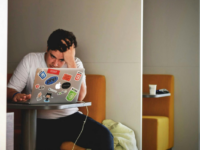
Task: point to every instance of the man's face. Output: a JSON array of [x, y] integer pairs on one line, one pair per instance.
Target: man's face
[[54, 59]]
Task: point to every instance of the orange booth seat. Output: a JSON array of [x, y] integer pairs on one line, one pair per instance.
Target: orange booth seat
[[96, 93], [158, 114]]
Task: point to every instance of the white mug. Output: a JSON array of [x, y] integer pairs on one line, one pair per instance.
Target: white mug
[[152, 89]]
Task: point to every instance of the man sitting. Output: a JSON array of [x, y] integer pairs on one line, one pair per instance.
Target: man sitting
[[58, 127]]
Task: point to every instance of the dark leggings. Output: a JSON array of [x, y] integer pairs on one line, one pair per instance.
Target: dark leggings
[[51, 133]]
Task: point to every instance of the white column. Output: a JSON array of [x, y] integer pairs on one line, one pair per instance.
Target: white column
[[3, 71]]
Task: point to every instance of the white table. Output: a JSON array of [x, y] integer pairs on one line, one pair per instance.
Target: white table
[[155, 96], [29, 119]]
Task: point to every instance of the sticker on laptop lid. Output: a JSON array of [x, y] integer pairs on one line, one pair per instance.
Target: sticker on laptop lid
[[37, 86], [71, 95], [52, 90], [78, 76], [62, 92], [39, 96], [66, 85], [42, 74], [53, 71], [67, 77], [47, 97], [41, 87], [51, 80], [57, 86]]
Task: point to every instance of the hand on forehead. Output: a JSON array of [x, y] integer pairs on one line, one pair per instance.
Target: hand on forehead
[[67, 42]]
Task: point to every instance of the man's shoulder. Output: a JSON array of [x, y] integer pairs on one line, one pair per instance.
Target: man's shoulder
[[77, 60], [32, 55]]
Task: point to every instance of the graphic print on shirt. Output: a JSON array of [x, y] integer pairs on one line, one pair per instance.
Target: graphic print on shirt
[[53, 71], [51, 80], [62, 92], [42, 74], [39, 96], [67, 77], [71, 95], [66, 85], [78, 76]]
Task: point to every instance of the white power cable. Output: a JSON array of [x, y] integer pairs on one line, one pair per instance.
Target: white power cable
[[82, 126]]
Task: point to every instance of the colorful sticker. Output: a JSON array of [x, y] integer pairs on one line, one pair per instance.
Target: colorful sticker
[[66, 85], [57, 86], [53, 71], [52, 90], [51, 80], [37, 86], [62, 92], [39, 96], [78, 76], [42, 75], [41, 87], [67, 77], [72, 93], [47, 97]]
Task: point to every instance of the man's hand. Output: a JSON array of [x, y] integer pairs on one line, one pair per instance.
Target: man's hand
[[19, 97], [69, 56]]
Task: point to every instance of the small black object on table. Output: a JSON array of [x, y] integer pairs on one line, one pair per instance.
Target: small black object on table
[[145, 95]]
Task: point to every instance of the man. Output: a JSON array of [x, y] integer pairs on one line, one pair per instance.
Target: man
[[55, 127]]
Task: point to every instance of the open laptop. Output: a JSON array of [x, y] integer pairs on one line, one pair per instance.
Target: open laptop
[[56, 85]]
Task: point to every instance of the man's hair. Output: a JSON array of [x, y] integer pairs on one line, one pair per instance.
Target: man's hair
[[54, 41]]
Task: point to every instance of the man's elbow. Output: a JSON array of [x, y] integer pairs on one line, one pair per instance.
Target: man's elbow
[[82, 95]]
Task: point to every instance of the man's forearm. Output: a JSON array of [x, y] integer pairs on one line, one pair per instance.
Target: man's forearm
[[72, 64], [10, 93], [83, 91]]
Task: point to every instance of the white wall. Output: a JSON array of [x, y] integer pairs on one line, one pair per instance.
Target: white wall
[[171, 37], [199, 74], [109, 37], [3, 72]]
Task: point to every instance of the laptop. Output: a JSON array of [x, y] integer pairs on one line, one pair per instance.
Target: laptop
[[56, 85]]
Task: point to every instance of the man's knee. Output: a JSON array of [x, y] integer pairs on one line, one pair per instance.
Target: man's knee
[[106, 134]]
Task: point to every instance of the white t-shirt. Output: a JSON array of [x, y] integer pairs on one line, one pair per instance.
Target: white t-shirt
[[24, 75]]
